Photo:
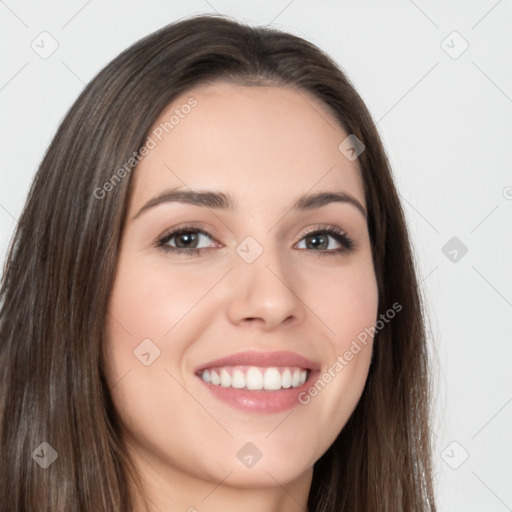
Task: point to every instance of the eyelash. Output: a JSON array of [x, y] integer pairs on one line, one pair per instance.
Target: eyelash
[[341, 237]]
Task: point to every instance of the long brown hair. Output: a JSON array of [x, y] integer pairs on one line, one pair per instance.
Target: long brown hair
[[60, 266]]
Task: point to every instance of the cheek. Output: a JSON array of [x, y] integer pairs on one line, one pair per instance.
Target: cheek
[[146, 302], [150, 300], [347, 303]]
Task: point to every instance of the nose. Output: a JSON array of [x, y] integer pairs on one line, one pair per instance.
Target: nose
[[262, 293]]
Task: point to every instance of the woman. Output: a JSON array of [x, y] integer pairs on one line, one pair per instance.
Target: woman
[[210, 300]]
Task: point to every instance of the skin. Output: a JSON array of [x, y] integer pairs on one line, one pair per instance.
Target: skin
[[265, 146]]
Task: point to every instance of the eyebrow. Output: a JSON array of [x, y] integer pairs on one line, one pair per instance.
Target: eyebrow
[[222, 201]]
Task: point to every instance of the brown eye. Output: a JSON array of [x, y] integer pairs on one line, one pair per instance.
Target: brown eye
[[185, 240], [319, 241]]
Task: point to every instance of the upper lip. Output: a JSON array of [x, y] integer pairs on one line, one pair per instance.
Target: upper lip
[[262, 359]]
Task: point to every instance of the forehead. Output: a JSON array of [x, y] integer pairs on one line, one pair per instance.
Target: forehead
[[255, 142]]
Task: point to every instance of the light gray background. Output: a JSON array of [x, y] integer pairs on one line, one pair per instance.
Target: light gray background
[[445, 120]]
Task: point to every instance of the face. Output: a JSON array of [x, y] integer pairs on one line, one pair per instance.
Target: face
[[281, 290]]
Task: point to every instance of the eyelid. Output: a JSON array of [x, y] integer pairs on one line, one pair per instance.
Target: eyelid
[[189, 226], [323, 227]]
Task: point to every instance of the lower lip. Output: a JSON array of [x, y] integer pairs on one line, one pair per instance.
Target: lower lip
[[261, 401]]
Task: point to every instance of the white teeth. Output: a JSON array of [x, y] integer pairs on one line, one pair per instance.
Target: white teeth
[[225, 379], [272, 379], [215, 378], [287, 378], [238, 379], [255, 378]]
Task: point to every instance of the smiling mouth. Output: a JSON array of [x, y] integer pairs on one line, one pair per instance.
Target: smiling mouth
[[255, 378]]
